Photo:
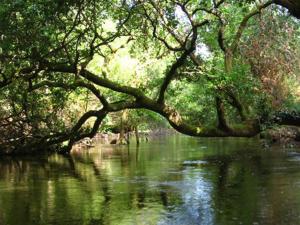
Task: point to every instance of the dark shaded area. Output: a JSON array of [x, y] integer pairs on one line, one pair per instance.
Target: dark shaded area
[[292, 5], [287, 118]]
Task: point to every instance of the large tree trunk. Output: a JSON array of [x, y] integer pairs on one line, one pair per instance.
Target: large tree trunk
[[228, 61], [232, 98], [222, 123]]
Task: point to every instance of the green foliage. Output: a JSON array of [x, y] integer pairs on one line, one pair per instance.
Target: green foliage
[[138, 46]]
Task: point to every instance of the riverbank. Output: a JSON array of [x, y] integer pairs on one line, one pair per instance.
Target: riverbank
[[286, 136], [112, 138]]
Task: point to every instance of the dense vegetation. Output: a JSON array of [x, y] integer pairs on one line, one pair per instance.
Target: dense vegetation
[[210, 68]]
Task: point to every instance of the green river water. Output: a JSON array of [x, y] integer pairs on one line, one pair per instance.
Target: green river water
[[172, 180]]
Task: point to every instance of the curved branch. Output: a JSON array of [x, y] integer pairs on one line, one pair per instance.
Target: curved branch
[[179, 62], [142, 101], [221, 38], [247, 129], [74, 85], [244, 22], [110, 84]]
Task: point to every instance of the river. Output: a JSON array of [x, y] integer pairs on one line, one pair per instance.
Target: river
[[174, 180]]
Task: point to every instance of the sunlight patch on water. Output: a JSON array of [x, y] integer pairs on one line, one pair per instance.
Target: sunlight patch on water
[[196, 207], [194, 162]]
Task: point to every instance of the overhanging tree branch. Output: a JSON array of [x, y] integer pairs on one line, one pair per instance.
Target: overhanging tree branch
[[243, 24]]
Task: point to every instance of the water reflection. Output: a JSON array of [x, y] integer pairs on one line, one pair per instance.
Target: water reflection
[[196, 203], [175, 181]]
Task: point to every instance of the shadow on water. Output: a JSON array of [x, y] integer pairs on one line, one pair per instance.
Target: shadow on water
[[178, 180]]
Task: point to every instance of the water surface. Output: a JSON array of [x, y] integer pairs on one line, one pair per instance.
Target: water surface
[[175, 180]]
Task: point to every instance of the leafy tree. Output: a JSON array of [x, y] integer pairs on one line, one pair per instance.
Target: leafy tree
[[66, 65]]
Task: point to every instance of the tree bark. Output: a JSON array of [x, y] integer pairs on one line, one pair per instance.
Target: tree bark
[[228, 61], [232, 97], [222, 123]]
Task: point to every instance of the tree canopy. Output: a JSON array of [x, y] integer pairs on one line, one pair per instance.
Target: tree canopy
[[209, 68]]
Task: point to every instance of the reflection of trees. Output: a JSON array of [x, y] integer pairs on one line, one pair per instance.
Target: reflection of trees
[[114, 186], [164, 198], [45, 190], [79, 186], [235, 195], [245, 189]]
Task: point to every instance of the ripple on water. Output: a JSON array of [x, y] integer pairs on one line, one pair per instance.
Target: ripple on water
[[194, 162], [294, 156]]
